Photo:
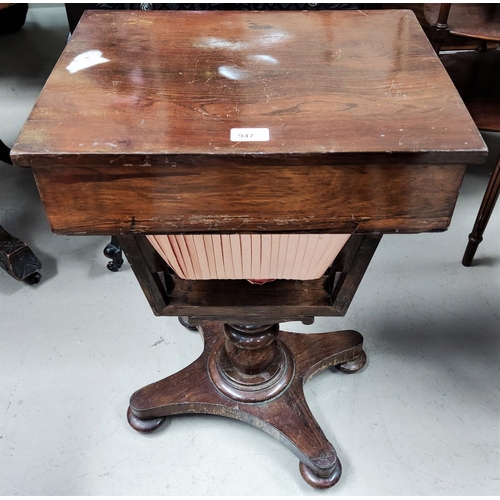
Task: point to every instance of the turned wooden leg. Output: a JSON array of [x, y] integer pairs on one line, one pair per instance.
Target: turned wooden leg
[[18, 260], [256, 374], [113, 250], [487, 205], [440, 30]]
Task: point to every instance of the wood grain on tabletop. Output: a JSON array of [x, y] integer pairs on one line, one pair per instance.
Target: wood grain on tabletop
[[177, 82]]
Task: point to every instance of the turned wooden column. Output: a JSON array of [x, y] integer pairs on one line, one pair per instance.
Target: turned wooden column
[[440, 28], [251, 349], [251, 365]]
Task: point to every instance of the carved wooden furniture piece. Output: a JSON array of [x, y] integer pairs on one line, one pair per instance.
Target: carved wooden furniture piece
[[250, 123], [476, 74], [16, 257]]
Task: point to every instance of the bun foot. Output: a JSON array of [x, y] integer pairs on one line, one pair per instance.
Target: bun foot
[[140, 425], [318, 481], [354, 365], [184, 321]]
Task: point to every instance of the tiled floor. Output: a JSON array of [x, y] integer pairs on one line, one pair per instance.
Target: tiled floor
[[422, 418]]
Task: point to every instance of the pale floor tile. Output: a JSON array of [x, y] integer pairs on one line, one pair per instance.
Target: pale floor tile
[[422, 418]]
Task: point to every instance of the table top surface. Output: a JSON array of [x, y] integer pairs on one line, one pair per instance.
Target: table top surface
[[150, 84]]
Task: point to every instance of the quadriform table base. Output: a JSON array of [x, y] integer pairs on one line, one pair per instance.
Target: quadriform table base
[[250, 370], [256, 375]]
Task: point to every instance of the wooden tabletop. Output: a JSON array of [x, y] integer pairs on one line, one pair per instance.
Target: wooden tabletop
[[136, 86]]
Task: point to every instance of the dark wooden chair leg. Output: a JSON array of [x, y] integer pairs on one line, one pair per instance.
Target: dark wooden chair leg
[[15, 256], [113, 251], [18, 260], [487, 205], [440, 30], [256, 374]]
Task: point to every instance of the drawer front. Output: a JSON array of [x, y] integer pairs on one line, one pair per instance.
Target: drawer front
[[231, 198]]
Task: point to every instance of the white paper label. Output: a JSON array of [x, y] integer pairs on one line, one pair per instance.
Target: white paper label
[[249, 134]]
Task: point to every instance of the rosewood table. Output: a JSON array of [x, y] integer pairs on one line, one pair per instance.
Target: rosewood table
[[250, 123]]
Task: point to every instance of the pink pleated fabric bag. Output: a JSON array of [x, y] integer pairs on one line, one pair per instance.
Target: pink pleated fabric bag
[[254, 257]]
